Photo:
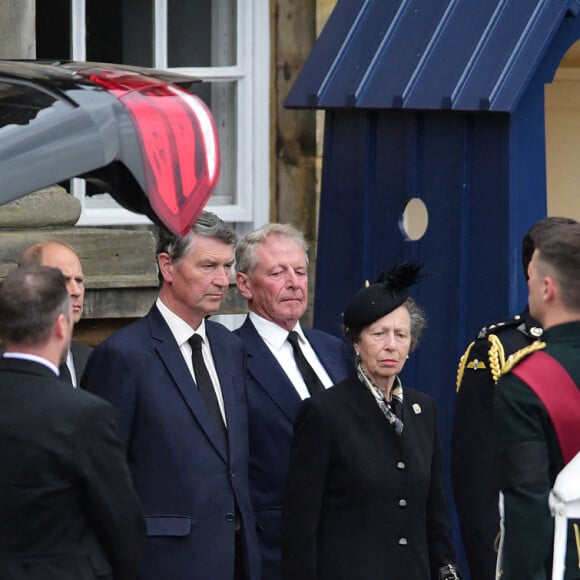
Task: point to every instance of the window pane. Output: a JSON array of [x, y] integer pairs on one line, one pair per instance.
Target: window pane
[[201, 33], [24, 105], [53, 29], [120, 31], [220, 97]]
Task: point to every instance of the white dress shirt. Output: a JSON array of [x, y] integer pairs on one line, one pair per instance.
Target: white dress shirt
[[71, 368], [182, 332], [276, 339]]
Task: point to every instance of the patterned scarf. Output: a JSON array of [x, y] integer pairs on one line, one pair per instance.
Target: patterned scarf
[[391, 410]]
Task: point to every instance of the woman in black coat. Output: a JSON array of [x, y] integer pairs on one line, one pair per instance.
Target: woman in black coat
[[364, 498]]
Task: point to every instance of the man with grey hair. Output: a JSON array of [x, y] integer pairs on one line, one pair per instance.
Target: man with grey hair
[[177, 382], [68, 509], [285, 365]]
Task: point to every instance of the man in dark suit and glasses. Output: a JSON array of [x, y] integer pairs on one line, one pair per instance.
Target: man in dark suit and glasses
[[67, 505], [183, 416], [55, 254], [286, 364]]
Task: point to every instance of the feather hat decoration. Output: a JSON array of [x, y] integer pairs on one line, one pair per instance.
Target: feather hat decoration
[[400, 277], [389, 291]]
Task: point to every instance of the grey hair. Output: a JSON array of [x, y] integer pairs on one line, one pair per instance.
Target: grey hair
[[246, 248], [208, 225], [418, 324]]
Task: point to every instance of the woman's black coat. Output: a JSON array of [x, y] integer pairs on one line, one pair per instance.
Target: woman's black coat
[[361, 501]]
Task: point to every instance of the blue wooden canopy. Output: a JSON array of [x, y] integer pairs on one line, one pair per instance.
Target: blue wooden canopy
[[464, 55]]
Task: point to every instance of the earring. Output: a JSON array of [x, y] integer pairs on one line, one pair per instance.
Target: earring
[[407, 357]]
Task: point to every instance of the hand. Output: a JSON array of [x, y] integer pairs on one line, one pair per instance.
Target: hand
[[449, 572]]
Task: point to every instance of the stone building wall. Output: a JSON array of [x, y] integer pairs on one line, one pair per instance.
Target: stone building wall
[[119, 264]]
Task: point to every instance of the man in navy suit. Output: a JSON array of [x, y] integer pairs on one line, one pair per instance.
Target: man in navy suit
[[272, 274], [187, 448]]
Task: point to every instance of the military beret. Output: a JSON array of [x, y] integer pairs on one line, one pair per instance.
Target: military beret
[[385, 295]]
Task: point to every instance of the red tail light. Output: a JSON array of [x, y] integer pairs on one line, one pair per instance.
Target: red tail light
[[178, 139]]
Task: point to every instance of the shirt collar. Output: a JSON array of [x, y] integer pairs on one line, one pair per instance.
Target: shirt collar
[[33, 358], [179, 328], [272, 333]]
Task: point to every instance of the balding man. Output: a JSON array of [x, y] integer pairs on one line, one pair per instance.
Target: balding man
[[55, 254]]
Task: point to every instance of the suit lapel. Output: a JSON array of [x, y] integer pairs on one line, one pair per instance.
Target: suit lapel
[[329, 357], [267, 372], [172, 359], [80, 354], [227, 377]]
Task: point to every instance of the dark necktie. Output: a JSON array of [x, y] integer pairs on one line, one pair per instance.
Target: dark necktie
[[313, 383], [65, 373], [205, 385]]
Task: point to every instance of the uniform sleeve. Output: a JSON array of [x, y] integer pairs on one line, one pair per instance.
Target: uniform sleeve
[[112, 504], [308, 469], [473, 460], [519, 419]]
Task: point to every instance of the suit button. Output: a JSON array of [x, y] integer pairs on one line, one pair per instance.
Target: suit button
[[402, 503], [230, 517], [401, 465], [232, 474], [403, 541]]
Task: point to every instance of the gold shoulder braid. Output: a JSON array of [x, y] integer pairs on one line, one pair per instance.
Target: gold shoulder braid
[[577, 536], [517, 356], [461, 367], [496, 355]]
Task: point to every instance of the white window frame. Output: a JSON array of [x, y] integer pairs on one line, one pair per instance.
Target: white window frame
[[252, 74]]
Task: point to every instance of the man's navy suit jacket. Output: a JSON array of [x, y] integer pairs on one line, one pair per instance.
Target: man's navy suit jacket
[[188, 484], [272, 406]]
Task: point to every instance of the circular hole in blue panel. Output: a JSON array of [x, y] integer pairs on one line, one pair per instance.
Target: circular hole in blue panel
[[415, 219]]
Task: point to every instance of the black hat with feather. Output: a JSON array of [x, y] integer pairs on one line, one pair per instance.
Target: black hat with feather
[[389, 291]]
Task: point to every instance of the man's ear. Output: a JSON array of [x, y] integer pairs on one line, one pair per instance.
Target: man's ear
[[550, 290], [61, 326], [165, 264], [244, 285]]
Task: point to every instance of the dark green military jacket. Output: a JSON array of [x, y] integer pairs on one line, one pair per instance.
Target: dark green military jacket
[[530, 459]]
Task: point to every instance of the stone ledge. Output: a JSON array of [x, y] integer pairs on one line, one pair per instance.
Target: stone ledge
[[49, 207], [120, 274]]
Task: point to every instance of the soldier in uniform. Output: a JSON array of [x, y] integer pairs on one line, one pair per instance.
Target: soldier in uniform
[[536, 411], [473, 461]]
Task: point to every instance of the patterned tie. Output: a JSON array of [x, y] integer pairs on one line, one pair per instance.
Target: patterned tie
[[397, 408], [313, 383], [205, 385]]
